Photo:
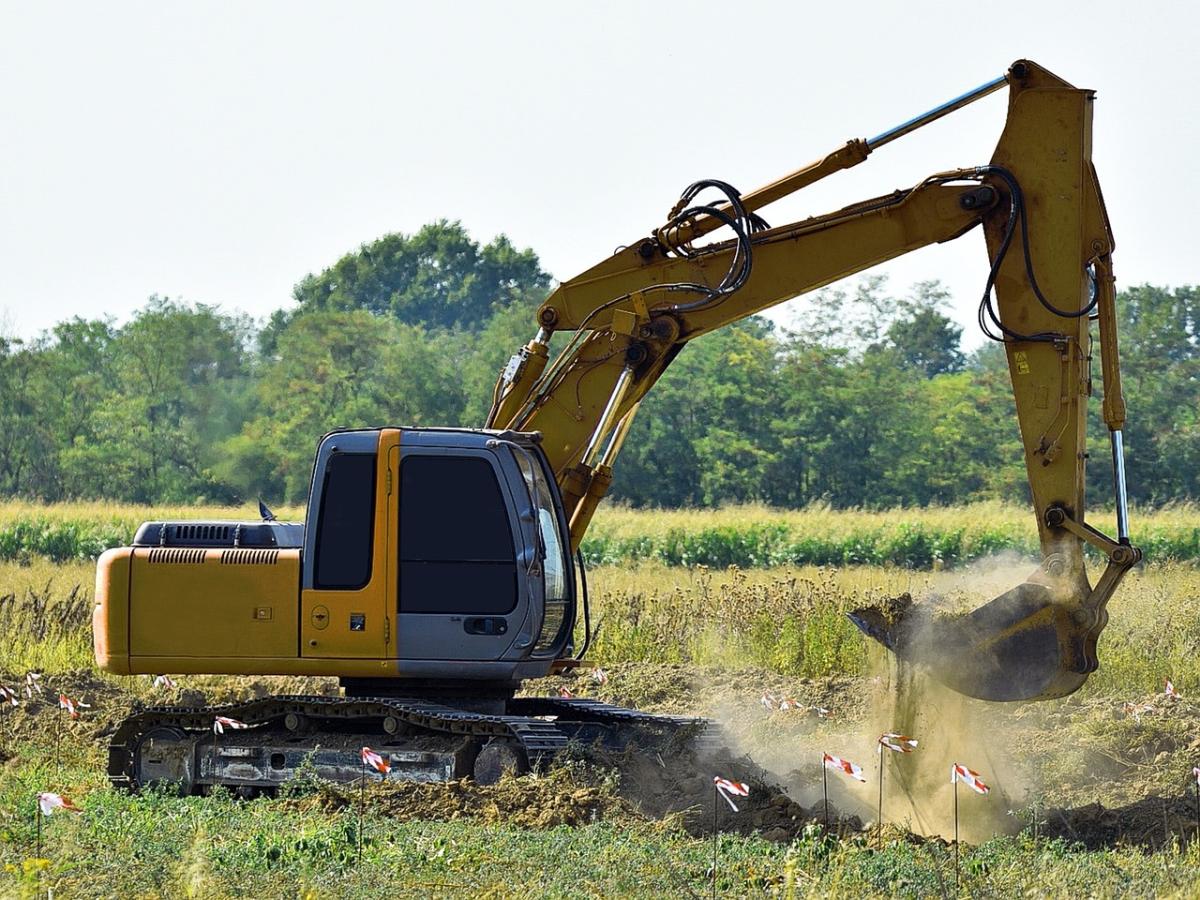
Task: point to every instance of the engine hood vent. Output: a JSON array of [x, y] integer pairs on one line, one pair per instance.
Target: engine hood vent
[[249, 535]]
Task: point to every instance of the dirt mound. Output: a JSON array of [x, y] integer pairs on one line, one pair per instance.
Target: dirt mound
[[587, 788], [1150, 823], [107, 704], [532, 801]]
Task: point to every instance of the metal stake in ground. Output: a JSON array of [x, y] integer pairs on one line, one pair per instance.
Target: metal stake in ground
[[971, 779], [724, 787], [716, 804], [376, 761], [1196, 772], [825, 790], [879, 814], [897, 743], [955, 782]]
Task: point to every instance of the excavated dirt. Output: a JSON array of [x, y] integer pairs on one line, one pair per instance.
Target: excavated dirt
[[592, 786], [1150, 823], [1094, 771], [528, 802]]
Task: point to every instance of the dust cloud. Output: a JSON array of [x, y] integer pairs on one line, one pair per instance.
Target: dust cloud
[[899, 697]]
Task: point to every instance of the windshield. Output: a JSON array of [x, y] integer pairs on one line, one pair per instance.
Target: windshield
[[554, 564]]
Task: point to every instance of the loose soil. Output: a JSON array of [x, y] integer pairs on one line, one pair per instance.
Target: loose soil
[[1091, 770]]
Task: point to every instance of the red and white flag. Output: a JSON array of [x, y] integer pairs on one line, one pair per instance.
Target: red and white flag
[[565, 693], [373, 760], [1196, 772], [220, 723], [901, 743], [969, 777], [163, 681], [725, 787], [844, 766], [32, 683], [8, 695], [1171, 692], [599, 676], [771, 702], [1136, 709], [72, 706], [49, 803]]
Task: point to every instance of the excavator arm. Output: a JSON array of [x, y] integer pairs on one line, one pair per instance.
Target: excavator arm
[[1048, 239]]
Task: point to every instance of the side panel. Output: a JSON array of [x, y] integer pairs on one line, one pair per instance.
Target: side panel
[[110, 617], [351, 623], [213, 603]]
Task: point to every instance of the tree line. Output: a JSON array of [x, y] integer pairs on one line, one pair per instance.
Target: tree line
[[866, 400]]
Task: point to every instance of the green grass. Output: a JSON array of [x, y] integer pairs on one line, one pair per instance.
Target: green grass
[[733, 632], [746, 536], [158, 845]]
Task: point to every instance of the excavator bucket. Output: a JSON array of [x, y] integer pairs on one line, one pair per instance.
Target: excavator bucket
[[1024, 645]]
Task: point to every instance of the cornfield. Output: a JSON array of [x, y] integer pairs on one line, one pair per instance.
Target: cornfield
[[744, 536]]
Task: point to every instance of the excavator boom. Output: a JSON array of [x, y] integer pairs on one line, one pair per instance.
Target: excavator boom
[[1039, 204]]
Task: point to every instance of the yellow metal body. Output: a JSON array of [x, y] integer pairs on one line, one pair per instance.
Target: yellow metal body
[[242, 611]]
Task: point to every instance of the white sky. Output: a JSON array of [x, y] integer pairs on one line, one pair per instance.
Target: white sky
[[219, 152]]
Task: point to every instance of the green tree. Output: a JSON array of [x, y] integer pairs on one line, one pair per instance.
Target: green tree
[[339, 369], [152, 433], [438, 278], [924, 336]]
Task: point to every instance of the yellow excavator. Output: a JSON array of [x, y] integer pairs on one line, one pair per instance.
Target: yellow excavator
[[439, 568]]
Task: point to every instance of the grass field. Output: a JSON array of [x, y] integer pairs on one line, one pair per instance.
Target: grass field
[[746, 536], [677, 639]]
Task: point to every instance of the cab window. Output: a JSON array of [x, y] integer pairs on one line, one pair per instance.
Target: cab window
[[346, 523], [457, 553]]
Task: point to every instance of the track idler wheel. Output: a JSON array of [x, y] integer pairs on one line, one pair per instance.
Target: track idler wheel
[[165, 756], [498, 758]]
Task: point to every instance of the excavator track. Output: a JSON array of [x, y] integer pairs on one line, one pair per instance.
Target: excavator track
[[421, 740]]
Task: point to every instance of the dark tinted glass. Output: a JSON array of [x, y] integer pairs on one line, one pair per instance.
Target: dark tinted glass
[[451, 510], [346, 522], [456, 547]]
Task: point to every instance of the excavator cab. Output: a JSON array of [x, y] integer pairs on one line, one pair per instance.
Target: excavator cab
[[427, 554]]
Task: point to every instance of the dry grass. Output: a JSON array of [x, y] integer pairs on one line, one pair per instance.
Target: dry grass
[[789, 620]]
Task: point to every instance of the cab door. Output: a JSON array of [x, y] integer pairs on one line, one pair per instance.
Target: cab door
[[343, 603], [460, 594]]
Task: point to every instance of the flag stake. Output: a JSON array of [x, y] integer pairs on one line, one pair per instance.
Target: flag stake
[[362, 799], [825, 790], [879, 815], [1198, 805], [956, 834], [39, 829], [716, 798]]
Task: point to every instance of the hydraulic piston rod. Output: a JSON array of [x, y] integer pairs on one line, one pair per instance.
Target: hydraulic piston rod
[[937, 112], [1118, 457]]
